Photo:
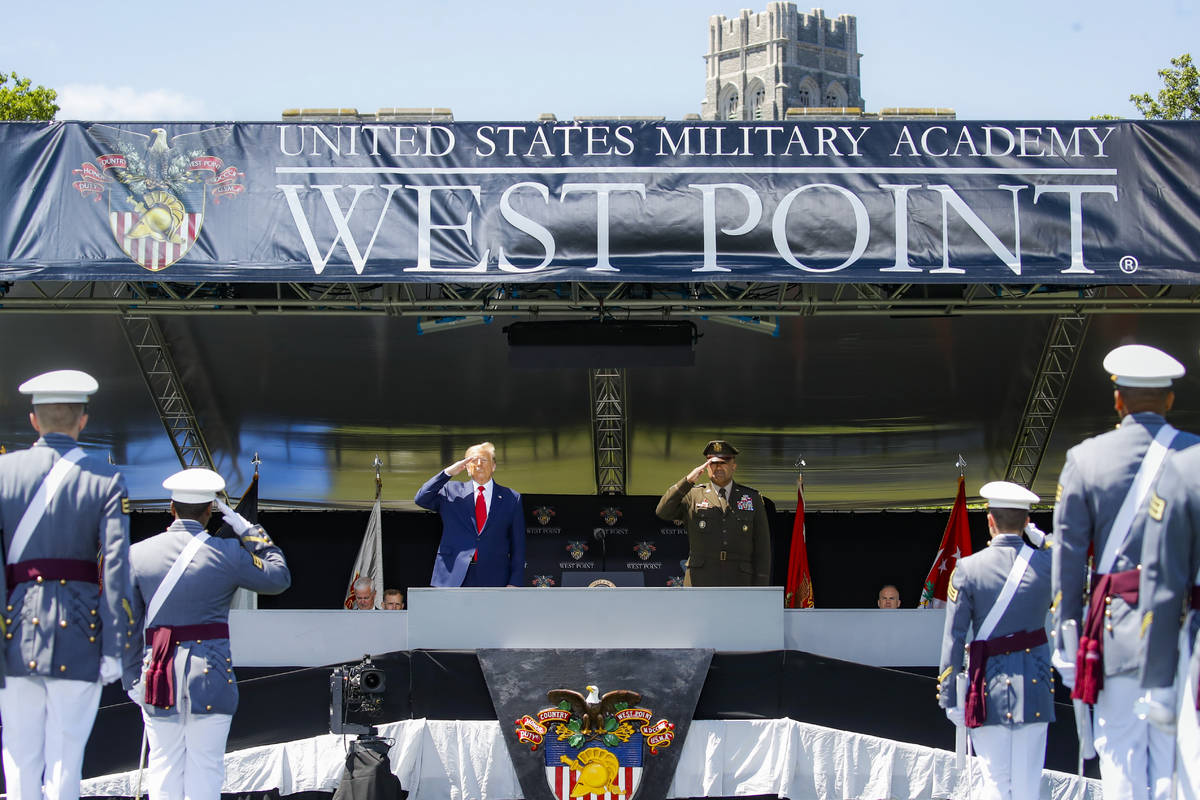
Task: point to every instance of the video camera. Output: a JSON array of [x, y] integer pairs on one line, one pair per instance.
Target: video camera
[[356, 689]]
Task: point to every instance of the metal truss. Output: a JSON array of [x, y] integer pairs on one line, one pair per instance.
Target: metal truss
[[589, 300], [153, 357], [1055, 368], [609, 425]]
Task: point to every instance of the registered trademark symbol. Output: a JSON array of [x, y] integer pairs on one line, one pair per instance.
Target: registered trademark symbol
[[1128, 264]]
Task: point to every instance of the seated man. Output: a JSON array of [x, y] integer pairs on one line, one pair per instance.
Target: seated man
[[362, 595], [393, 600]]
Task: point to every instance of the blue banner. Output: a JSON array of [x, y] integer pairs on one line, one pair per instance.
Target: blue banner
[[897, 202]]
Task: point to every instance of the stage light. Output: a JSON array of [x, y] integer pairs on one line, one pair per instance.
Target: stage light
[[765, 325], [439, 324]]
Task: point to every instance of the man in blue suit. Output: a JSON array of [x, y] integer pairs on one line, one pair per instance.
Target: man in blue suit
[[483, 524]]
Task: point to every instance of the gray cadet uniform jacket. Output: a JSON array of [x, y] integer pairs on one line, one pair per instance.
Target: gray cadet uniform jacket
[[727, 546], [60, 628], [1170, 564], [201, 596], [1018, 686], [1093, 484]]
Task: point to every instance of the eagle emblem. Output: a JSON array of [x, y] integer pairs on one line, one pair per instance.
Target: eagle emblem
[[593, 743], [576, 549], [161, 188], [542, 581], [644, 550], [543, 514]]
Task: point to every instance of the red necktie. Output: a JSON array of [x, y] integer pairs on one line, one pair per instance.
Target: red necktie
[[480, 511]]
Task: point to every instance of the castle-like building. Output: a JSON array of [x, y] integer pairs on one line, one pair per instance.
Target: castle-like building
[[761, 65]]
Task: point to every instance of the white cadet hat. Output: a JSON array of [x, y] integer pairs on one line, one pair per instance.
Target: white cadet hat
[[1138, 366], [1002, 494], [194, 485], [60, 386]]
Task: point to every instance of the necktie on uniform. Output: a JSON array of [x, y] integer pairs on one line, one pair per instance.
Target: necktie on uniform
[[724, 500], [480, 511]]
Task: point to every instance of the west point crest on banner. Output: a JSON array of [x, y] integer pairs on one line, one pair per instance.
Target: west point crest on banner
[[594, 745], [161, 188]]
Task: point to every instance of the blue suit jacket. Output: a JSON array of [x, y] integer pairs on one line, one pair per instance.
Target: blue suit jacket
[[501, 543]]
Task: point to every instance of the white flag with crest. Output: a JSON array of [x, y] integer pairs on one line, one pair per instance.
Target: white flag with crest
[[369, 563]]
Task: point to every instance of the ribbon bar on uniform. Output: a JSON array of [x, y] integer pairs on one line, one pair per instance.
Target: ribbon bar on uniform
[[160, 675], [980, 649], [52, 569]]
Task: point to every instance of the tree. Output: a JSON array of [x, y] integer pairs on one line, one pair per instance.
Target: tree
[[1180, 96], [22, 101]]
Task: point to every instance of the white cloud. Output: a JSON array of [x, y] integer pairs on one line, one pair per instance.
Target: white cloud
[[121, 103]]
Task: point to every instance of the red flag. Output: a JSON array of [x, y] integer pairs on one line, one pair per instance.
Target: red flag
[[956, 544], [798, 591]]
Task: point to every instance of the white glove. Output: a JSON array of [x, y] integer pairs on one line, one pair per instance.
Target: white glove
[[1066, 669], [1157, 706], [233, 519], [957, 716], [1036, 535], [110, 669]]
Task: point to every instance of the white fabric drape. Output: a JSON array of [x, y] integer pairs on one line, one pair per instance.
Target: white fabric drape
[[468, 761]]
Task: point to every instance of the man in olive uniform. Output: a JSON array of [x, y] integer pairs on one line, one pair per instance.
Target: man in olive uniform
[[1002, 594], [729, 541], [1103, 494], [182, 676], [63, 634], [1170, 582]]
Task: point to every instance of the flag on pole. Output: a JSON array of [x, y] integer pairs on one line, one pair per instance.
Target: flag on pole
[[369, 563], [956, 544], [798, 589]]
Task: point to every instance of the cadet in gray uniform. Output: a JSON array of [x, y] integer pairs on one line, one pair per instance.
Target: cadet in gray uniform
[[185, 683], [1101, 506], [729, 540], [1002, 595], [61, 510], [1170, 582]]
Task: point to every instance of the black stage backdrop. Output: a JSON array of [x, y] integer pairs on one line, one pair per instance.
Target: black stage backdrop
[[851, 554]]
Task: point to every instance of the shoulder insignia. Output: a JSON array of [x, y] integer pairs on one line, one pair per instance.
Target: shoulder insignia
[[946, 674], [1058, 493], [1147, 619], [1157, 507], [951, 592], [259, 539], [125, 507], [128, 610], [257, 561]]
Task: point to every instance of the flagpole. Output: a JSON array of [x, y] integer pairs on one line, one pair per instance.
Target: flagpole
[[378, 476]]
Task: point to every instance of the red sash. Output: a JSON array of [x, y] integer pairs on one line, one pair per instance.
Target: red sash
[[160, 675], [1089, 661], [976, 703], [52, 569]]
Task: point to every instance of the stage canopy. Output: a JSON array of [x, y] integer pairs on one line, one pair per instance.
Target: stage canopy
[[926, 288]]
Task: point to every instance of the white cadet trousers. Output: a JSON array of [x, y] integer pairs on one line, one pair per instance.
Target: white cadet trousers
[[1136, 758], [1012, 758], [187, 755], [46, 722], [1187, 758]]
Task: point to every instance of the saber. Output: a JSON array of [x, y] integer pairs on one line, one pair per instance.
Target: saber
[[137, 794]]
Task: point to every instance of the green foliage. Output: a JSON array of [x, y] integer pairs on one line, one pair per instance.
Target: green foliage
[[1180, 96], [610, 724], [611, 740], [22, 101], [1105, 116]]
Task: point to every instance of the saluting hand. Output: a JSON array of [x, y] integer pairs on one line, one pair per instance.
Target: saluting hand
[[456, 467], [698, 471]]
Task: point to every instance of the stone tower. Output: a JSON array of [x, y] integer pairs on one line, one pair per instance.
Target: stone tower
[[760, 65]]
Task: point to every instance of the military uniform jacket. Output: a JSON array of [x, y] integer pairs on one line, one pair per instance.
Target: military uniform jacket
[[1019, 687], [61, 628], [202, 595], [1094, 481], [736, 528], [1170, 564]]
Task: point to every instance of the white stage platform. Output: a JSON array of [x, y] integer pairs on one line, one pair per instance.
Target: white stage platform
[[724, 619]]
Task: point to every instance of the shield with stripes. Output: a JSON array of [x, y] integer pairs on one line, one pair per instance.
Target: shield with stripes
[[594, 771], [158, 250]]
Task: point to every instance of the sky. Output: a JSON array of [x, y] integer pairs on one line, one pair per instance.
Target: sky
[[248, 60]]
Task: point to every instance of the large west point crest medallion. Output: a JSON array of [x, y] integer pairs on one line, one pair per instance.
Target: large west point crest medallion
[[157, 189], [594, 745]]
